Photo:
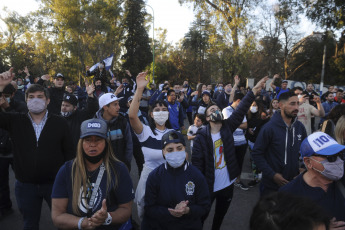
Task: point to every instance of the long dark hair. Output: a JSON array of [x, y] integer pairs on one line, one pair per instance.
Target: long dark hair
[[152, 122], [261, 108]]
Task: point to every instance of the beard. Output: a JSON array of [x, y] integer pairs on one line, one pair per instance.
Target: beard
[[291, 114]]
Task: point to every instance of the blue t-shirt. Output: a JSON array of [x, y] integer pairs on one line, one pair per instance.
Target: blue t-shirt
[[174, 115], [121, 194], [331, 201], [280, 91]]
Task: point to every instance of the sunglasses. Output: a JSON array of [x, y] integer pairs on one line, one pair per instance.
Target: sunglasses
[[331, 158]]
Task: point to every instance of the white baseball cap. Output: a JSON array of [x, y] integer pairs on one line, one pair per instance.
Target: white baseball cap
[[107, 98], [320, 143]]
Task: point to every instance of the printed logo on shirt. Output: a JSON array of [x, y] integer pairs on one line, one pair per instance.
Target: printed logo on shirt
[[190, 188], [84, 199], [219, 155], [299, 136]]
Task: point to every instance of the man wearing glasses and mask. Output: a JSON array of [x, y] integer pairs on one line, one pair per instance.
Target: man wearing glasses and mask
[[322, 156]]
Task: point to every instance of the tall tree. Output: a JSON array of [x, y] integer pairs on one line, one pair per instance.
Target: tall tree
[[138, 53]]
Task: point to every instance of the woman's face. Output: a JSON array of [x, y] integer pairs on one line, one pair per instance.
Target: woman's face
[[159, 108], [206, 98], [93, 145], [275, 104], [204, 87]]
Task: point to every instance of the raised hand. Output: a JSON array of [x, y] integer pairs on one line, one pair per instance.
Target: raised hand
[[100, 216], [46, 77], [128, 73], [260, 85], [118, 90], [26, 70], [6, 78], [90, 88], [237, 80], [141, 80]]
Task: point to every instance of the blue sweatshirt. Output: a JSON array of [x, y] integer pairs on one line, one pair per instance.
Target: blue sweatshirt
[[277, 148], [165, 188]]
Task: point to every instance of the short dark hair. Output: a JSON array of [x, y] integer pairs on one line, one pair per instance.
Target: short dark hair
[[209, 105], [296, 88], [201, 117], [340, 90], [37, 88], [285, 96], [9, 89], [170, 91], [328, 93], [284, 211], [238, 95]]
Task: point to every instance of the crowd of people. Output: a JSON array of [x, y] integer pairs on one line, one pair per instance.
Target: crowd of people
[[72, 146]]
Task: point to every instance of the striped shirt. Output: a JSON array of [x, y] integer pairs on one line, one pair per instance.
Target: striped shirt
[[39, 127]]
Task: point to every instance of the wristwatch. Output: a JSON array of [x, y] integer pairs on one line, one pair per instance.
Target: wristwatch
[[108, 220]]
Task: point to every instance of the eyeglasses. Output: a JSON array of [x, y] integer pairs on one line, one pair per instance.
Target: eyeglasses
[[331, 158]]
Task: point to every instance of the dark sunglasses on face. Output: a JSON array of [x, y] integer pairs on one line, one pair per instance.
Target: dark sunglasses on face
[[331, 158]]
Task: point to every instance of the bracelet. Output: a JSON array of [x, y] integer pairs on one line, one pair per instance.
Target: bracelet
[[80, 222]]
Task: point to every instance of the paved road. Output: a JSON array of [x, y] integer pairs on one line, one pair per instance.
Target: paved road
[[237, 217]]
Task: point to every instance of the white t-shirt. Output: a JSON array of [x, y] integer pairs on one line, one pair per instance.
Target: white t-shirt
[[144, 103], [192, 131], [239, 137], [151, 146], [221, 174], [305, 111]]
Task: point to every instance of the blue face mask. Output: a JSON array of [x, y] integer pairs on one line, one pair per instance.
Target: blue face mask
[[124, 84], [175, 159]]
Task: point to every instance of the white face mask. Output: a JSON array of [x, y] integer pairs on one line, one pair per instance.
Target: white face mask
[[8, 99], [36, 105], [253, 109], [175, 159], [161, 117], [299, 96]]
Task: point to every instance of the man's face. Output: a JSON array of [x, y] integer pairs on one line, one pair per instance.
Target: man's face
[[331, 88], [228, 88], [67, 107], [310, 87], [290, 107], [124, 81], [58, 82], [19, 81], [98, 82], [177, 88], [340, 95], [284, 85], [37, 94], [69, 89], [185, 83], [209, 88], [171, 97], [112, 109], [330, 97], [204, 87], [211, 110], [206, 98]]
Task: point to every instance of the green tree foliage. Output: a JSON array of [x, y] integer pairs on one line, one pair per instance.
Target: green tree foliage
[[138, 53]]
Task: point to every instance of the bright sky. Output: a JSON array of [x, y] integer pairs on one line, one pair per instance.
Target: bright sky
[[169, 14]]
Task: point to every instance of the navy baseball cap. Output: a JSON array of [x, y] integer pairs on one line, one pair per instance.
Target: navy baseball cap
[[206, 92], [320, 143], [172, 137], [93, 127], [284, 81], [70, 98]]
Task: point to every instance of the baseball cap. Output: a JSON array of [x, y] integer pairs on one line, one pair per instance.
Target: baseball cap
[[284, 81], [172, 137], [107, 98], [206, 92], [130, 99], [59, 75], [93, 127], [70, 98], [321, 144]]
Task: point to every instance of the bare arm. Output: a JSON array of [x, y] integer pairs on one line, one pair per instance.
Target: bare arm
[[134, 108], [244, 125], [272, 83], [320, 112], [234, 88]]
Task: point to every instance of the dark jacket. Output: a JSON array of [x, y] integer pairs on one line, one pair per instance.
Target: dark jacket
[[5, 140], [276, 149], [38, 162], [75, 119], [198, 104], [119, 133], [165, 188], [203, 157], [223, 100]]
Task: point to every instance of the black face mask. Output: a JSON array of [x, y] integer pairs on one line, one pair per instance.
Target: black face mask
[[95, 159], [98, 87]]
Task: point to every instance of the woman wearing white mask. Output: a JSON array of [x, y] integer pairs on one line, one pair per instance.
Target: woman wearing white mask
[[177, 195], [149, 136]]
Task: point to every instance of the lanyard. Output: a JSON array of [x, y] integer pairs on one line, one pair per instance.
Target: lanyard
[[95, 188]]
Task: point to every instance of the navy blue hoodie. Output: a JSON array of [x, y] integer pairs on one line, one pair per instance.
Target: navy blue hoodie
[[276, 149], [165, 188]]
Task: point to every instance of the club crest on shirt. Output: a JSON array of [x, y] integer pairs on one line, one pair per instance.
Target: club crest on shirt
[[190, 188]]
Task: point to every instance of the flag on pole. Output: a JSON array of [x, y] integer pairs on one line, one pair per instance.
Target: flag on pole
[[108, 61]]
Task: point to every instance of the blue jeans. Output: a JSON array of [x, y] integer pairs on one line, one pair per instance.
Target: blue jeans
[[29, 199]]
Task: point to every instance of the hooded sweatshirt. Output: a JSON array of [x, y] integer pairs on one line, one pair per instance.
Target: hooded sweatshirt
[[277, 148]]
